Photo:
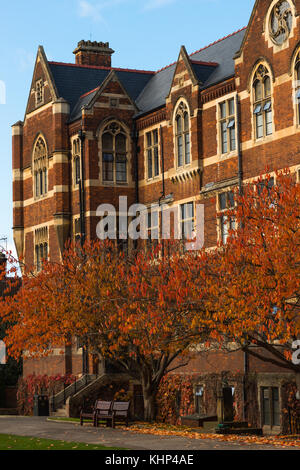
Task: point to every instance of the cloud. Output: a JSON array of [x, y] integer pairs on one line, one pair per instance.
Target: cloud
[[93, 11], [153, 4], [88, 10]]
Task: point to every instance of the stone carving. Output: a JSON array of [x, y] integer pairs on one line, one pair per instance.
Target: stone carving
[[281, 21]]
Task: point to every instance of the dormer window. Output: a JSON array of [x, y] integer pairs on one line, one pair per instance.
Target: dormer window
[[39, 92], [182, 135]]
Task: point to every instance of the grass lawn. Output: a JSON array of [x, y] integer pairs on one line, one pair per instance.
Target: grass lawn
[[11, 442]]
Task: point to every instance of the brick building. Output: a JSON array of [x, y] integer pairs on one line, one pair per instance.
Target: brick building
[[188, 133]]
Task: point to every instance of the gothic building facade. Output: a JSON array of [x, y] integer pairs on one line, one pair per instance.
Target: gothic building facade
[[187, 134]]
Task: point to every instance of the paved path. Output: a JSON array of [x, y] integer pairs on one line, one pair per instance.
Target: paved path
[[40, 427]]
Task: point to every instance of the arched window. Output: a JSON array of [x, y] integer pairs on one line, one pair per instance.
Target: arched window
[[297, 85], [40, 168], [262, 108], [182, 132], [76, 161], [114, 143]]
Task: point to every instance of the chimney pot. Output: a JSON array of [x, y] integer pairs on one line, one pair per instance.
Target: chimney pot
[[93, 53]]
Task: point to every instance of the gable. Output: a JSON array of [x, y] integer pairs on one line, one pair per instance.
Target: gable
[[41, 75]]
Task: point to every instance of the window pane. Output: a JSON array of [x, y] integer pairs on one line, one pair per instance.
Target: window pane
[[259, 125], [275, 407], [180, 150], [224, 229], [186, 122], [37, 186], [77, 170], [223, 110], [230, 195], [121, 167], [269, 122], [179, 124], [266, 406], [232, 138], [121, 143], [41, 183], [187, 148], [156, 162], [231, 107], [267, 86], [149, 139], [224, 137], [258, 90], [155, 137], [150, 173], [108, 171], [45, 180], [222, 201], [107, 141]]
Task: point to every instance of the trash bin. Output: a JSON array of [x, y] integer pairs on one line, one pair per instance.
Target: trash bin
[[41, 405]]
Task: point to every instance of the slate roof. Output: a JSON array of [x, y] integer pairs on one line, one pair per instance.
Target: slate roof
[[79, 84], [221, 52]]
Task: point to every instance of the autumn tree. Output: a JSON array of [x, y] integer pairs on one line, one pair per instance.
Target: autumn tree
[[252, 283], [129, 308]]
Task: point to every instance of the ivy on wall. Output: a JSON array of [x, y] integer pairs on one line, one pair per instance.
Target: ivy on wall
[[37, 384]]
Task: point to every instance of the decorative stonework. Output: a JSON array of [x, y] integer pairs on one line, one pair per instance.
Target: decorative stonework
[[281, 21]]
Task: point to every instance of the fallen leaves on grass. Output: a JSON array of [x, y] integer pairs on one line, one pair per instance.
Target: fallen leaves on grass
[[182, 431]]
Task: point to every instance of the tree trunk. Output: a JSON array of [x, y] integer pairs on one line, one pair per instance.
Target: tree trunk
[[149, 395]]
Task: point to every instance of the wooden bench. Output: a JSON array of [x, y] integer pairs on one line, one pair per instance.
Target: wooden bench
[[118, 412], [100, 408]]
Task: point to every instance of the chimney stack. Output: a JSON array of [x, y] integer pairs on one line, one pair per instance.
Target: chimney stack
[[93, 53]]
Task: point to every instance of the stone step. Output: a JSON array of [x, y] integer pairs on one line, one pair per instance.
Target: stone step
[[8, 411], [240, 431]]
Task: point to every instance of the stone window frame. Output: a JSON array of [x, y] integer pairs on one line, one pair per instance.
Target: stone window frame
[[221, 214], [229, 117], [153, 227], [76, 160], [272, 426], [123, 129], [41, 246], [262, 106], [296, 86], [186, 220], [39, 92], [267, 27], [182, 108], [40, 167], [150, 148]]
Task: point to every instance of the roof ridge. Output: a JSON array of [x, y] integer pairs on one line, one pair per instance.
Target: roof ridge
[[206, 47], [102, 67]]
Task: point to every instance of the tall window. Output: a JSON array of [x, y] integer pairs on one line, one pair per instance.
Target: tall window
[[40, 168], [270, 406], [41, 247], [114, 154], [152, 153], [226, 223], [153, 227], [263, 116], [227, 126], [187, 220], [297, 86], [76, 161], [182, 128]]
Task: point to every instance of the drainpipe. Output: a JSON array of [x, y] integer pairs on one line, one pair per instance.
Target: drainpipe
[[81, 136], [240, 182], [163, 192]]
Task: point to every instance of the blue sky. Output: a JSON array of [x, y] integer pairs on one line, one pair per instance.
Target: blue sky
[[146, 34]]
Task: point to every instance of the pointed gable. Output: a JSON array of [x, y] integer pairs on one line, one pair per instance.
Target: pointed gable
[[43, 89]]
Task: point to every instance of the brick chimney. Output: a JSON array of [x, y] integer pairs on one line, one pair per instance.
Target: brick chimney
[[93, 53]]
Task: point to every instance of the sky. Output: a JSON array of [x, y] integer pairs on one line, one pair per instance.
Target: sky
[[145, 34]]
